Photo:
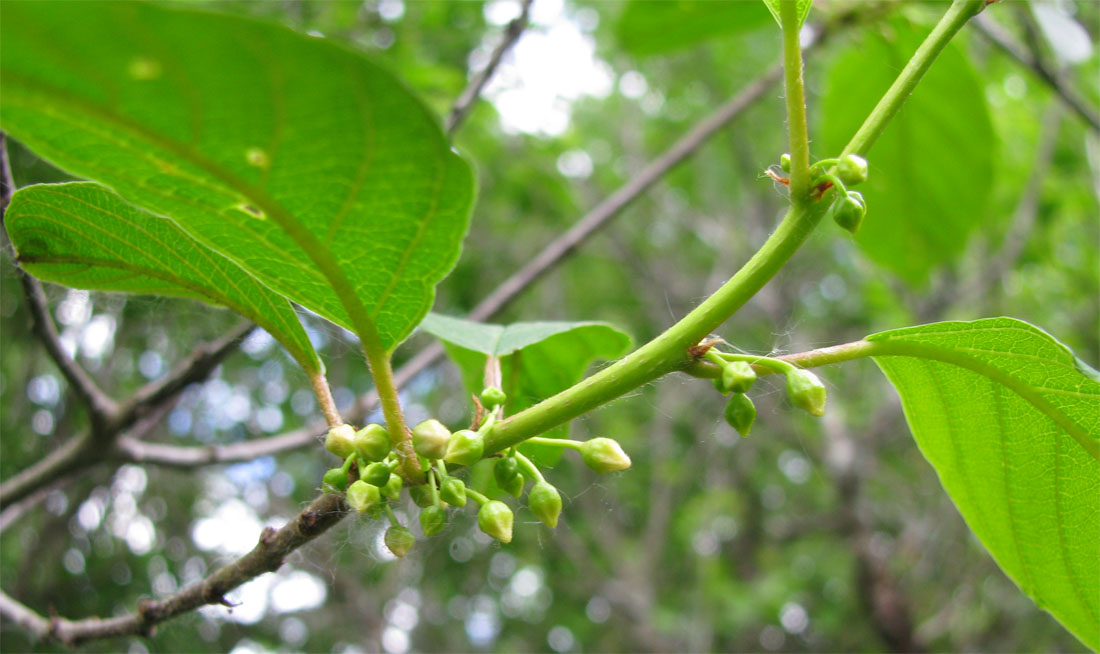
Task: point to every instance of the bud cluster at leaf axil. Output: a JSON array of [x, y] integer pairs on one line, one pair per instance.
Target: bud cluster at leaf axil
[[369, 479], [736, 375], [830, 181]]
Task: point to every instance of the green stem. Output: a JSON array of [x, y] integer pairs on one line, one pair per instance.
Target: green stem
[[775, 365], [389, 514], [529, 467], [488, 424], [442, 469], [348, 461], [324, 398], [432, 486], [957, 15], [796, 102], [556, 442], [478, 497]]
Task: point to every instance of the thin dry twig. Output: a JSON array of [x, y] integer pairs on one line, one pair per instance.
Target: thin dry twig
[[472, 92], [1000, 37]]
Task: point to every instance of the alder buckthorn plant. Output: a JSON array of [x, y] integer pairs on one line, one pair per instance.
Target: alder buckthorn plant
[[304, 352]]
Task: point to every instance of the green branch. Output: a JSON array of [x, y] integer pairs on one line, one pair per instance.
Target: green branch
[[795, 94], [957, 15]]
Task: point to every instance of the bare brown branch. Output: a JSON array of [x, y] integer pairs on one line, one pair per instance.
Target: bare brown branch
[[1000, 37], [473, 90], [268, 555]]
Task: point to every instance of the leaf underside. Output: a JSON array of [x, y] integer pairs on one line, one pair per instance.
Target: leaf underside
[[84, 236], [311, 168], [1018, 468]]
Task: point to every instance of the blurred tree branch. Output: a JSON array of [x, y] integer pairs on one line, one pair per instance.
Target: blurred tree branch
[[1030, 59]]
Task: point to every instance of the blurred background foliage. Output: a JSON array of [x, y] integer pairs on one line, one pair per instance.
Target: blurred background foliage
[[812, 535]]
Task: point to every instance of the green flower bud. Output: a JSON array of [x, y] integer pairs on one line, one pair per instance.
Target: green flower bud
[[493, 396], [852, 170], [372, 442], [335, 480], [399, 540], [495, 519], [392, 489], [545, 502], [465, 447], [848, 211], [453, 492], [430, 439], [376, 474], [421, 495], [514, 486], [339, 440], [738, 377], [433, 519], [806, 391], [504, 470], [604, 455], [785, 162], [362, 496], [740, 413], [720, 387]]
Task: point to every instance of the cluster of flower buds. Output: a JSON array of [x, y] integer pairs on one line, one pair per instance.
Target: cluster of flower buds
[[370, 464], [804, 388], [846, 208]]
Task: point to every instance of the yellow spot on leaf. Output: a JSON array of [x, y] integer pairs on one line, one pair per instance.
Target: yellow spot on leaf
[[257, 157], [144, 68]]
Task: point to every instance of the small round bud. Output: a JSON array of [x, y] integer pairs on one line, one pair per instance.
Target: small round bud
[[785, 162], [335, 480], [514, 486], [430, 439], [493, 397], [848, 211], [453, 492], [433, 519], [465, 447], [738, 377], [372, 442], [806, 391], [604, 455], [376, 474], [339, 440], [392, 489], [852, 170], [421, 495], [399, 540], [495, 519], [545, 502], [740, 413], [505, 470], [362, 496]]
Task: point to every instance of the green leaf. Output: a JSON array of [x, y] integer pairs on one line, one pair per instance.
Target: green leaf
[[311, 168], [647, 27], [1009, 420], [803, 9], [84, 236], [931, 170], [537, 359]]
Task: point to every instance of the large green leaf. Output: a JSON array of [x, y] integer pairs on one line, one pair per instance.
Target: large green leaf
[[1010, 419], [83, 235], [932, 169], [537, 359], [311, 168], [649, 27]]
